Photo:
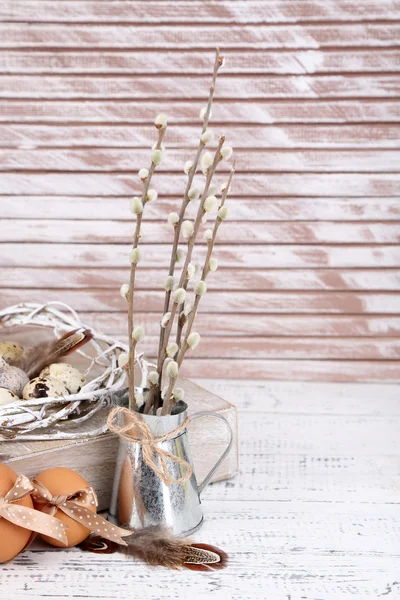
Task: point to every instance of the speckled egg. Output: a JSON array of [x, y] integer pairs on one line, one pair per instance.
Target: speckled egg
[[12, 378], [44, 387], [11, 351], [60, 481], [7, 396], [13, 538], [67, 374]]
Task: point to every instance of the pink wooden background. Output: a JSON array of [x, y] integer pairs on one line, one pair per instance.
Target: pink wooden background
[[309, 284]]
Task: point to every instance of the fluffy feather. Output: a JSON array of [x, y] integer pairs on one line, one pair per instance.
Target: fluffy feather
[[156, 546], [46, 353]]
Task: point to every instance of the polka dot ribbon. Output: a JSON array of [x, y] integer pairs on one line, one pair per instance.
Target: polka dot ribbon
[[26, 517], [76, 506]]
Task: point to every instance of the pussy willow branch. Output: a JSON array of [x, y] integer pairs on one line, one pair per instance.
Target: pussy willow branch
[[181, 316], [154, 391], [136, 238], [177, 229], [218, 221], [154, 395], [205, 272], [167, 402], [200, 213], [179, 328]]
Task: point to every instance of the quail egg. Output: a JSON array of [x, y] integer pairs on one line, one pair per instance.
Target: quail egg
[[67, 374], [11, 351], [7, 396], [12, 378], [44, 387]]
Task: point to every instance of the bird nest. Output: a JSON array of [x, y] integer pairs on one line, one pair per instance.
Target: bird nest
[[68, 417]]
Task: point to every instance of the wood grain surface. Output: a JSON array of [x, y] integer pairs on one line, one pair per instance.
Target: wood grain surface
[[312, 515], [309, 278]]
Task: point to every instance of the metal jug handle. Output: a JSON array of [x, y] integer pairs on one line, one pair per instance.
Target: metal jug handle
[[208, 477]]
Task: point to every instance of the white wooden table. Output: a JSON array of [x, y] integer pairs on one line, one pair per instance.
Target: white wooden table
[[313, 515]]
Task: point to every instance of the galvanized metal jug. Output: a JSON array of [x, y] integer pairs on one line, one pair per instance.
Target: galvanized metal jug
[[141, 499]]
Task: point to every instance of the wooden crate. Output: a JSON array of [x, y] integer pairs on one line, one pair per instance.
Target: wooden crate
[[95, 459]]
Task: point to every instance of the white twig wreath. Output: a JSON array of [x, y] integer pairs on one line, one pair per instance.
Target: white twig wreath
[[57, 418]]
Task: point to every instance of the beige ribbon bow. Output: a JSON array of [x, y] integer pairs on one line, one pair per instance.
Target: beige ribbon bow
[[137, 430], [76, 506], [29, 518]]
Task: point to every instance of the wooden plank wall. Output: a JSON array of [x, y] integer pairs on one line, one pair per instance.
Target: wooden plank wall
[[309, 284]]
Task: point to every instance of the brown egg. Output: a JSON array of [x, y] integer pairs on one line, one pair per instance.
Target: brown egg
[[60, 480], [13, 538]]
